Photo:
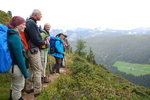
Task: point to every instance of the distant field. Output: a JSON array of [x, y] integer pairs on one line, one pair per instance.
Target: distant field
[[134, 69]]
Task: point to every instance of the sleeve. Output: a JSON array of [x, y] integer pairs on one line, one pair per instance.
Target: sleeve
[[34, 34], [18, 54], [59, 47], [43, 35]]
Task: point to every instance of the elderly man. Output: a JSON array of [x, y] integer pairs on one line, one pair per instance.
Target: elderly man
[[35, 43], [45, 36]]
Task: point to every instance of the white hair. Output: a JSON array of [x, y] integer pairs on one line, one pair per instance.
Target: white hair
[[47, 24], [35, 11]]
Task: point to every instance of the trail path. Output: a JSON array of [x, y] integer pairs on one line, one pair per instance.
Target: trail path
[[52, 77]]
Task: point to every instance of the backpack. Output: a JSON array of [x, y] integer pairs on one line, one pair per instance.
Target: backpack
[[5, 57], [24, 40], [52, 48]]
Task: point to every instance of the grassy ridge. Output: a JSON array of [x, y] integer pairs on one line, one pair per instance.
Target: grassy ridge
[[134, 69], [5, 80], [85, 81]]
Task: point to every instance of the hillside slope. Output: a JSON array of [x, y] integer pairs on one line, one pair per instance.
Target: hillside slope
[[4, 17], [85, 81], [129, 48]]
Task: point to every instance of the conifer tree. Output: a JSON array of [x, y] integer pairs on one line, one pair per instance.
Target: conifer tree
[[80, 48], [91, 57], [9, 13], [4, 17]]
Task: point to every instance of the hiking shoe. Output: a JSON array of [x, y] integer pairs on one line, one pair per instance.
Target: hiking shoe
[[46, 79], [29, 91], [36, 94], [57, 74], [63, 66], [21, 98]]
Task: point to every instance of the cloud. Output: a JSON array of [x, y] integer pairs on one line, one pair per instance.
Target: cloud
[[85, 13]]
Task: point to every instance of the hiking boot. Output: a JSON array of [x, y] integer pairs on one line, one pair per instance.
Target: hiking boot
[[36, 94], [29, 91], [63, 66], [46, 79], [10, 97], [20, 98], [57, 74]]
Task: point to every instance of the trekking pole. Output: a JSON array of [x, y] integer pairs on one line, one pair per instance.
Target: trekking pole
[[42, 78], [49, 64]]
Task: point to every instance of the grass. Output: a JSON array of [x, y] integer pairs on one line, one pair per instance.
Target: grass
[[134, 69], [5, 80], [85, 81]]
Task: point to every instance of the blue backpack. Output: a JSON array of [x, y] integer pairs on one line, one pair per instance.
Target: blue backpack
[[52, 48], [5, 58]]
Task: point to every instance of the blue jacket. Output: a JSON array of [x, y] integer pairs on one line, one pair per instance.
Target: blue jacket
[[59, 47]]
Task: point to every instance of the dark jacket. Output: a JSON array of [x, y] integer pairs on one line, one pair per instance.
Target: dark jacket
[[16, 50], [33, 34]]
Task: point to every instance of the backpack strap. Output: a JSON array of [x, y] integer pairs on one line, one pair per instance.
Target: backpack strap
[[12, 68]]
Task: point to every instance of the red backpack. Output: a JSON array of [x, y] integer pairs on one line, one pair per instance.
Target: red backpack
[[24, 40]]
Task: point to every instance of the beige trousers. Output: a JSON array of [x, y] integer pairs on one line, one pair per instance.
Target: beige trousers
[[35, 69], [44, 54], [18, 82]]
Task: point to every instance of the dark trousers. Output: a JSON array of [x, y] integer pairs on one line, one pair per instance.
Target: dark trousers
[[57, 64], [62, 62]]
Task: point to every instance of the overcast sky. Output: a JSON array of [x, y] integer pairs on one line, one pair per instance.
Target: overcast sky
[[66, 14]]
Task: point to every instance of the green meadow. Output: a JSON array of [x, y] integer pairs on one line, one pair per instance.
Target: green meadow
[[131, 68]]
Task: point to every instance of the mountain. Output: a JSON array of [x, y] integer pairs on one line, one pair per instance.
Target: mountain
[[127, 48], [84, 33]]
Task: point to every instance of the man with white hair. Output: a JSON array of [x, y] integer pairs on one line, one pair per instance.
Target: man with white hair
[[44, 52], [33, 84]]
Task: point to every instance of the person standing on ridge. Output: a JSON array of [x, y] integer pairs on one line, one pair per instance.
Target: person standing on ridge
[[35, 44], [59, 52], [44, 52], [18, 70]]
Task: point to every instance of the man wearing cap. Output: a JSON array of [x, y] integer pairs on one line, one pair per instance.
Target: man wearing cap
[[59, 53]]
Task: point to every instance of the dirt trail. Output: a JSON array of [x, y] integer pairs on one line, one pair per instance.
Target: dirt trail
[[52, 77]]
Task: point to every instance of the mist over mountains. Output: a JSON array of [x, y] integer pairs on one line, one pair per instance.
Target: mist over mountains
[[84, 33], [110, 46], [122, 45]]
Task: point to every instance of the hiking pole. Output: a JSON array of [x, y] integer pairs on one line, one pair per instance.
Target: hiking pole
[[49, 65]]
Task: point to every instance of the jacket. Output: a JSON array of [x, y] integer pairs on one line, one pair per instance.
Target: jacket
[[16, 50], [33, 34], [44, 34]]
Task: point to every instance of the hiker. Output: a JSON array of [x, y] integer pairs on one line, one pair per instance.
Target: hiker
[[59, 53], [44, 52], [18, 70], [66, 45], [33, 84]]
